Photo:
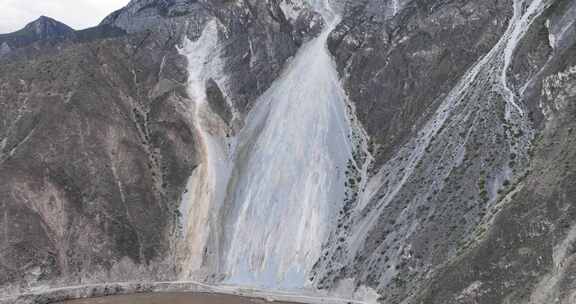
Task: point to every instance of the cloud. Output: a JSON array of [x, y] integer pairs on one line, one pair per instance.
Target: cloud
[[79, 14]]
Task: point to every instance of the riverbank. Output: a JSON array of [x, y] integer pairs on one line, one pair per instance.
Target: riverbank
[[62, 294]]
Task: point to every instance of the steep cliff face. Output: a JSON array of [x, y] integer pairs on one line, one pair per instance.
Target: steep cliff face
[[422, 149]]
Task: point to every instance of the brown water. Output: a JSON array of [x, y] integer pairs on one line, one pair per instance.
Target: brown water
[[171, 298]]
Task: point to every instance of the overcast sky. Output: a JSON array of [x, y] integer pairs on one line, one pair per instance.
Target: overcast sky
[[78, 14]]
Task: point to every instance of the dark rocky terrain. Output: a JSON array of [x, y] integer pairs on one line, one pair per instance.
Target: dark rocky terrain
[[468, 107]]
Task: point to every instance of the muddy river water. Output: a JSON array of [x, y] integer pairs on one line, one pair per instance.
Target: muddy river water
[[171, 298]]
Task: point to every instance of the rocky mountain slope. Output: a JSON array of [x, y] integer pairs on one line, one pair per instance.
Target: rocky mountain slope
[[420, 149], [97, 145], [462, 153]]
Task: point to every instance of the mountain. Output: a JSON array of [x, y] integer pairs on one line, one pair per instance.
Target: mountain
[[43, 28], [103, 130], [420, 151], [46, 28], [46, 34]]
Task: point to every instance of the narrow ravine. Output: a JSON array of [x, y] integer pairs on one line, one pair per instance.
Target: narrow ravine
[[207, 185]]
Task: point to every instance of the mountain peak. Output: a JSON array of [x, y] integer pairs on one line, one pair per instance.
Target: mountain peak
[[42, 29], [46, 28]]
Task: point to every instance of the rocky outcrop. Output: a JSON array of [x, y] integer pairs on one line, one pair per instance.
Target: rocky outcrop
[[5, 49]]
